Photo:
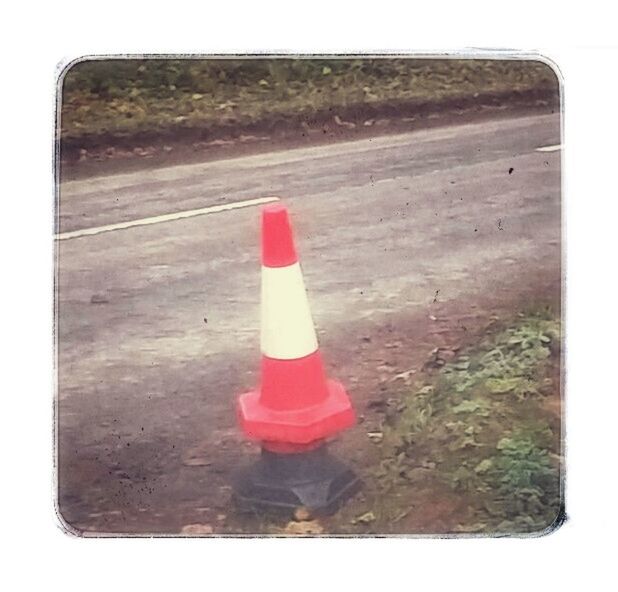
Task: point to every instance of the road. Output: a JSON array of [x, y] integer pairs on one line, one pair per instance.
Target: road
[[158, 326]]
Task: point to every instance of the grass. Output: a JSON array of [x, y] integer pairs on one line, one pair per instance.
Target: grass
[[478, 433], [121, 98]]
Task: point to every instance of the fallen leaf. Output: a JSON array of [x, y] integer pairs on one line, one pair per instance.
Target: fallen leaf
[[365, 518], [304, 527], [405, 375], [197, 529], [483, 466], [470, 528]]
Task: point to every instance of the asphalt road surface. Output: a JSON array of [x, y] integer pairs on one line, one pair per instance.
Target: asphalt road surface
[[158, 324]]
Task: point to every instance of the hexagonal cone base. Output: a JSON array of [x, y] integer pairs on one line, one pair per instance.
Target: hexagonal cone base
[[313, 480]]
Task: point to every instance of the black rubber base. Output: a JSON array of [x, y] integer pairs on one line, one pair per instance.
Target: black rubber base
[[312, 480]]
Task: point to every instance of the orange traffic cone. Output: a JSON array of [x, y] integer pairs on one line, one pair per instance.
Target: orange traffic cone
[[296, 407], [296, 404]]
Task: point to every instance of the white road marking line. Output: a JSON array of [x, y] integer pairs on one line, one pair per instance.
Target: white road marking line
[[549, 148], [164, 218]]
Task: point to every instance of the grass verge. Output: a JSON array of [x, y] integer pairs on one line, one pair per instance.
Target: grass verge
[[106, 101], [476, 449]]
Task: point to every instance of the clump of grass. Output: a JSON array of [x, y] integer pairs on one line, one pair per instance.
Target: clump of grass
[[523, 479]]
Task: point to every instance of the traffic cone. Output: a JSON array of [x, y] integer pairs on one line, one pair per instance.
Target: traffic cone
[[296, 408]]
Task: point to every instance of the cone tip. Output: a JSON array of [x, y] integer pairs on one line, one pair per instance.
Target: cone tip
[[277, 242]]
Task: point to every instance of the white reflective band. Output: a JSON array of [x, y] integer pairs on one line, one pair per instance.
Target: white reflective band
[[287, 326]]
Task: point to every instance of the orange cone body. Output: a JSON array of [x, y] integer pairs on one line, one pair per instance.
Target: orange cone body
[[296, 404]]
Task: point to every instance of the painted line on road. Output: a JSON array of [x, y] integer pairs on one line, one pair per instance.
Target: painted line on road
[[164, 218], [552, 148]]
